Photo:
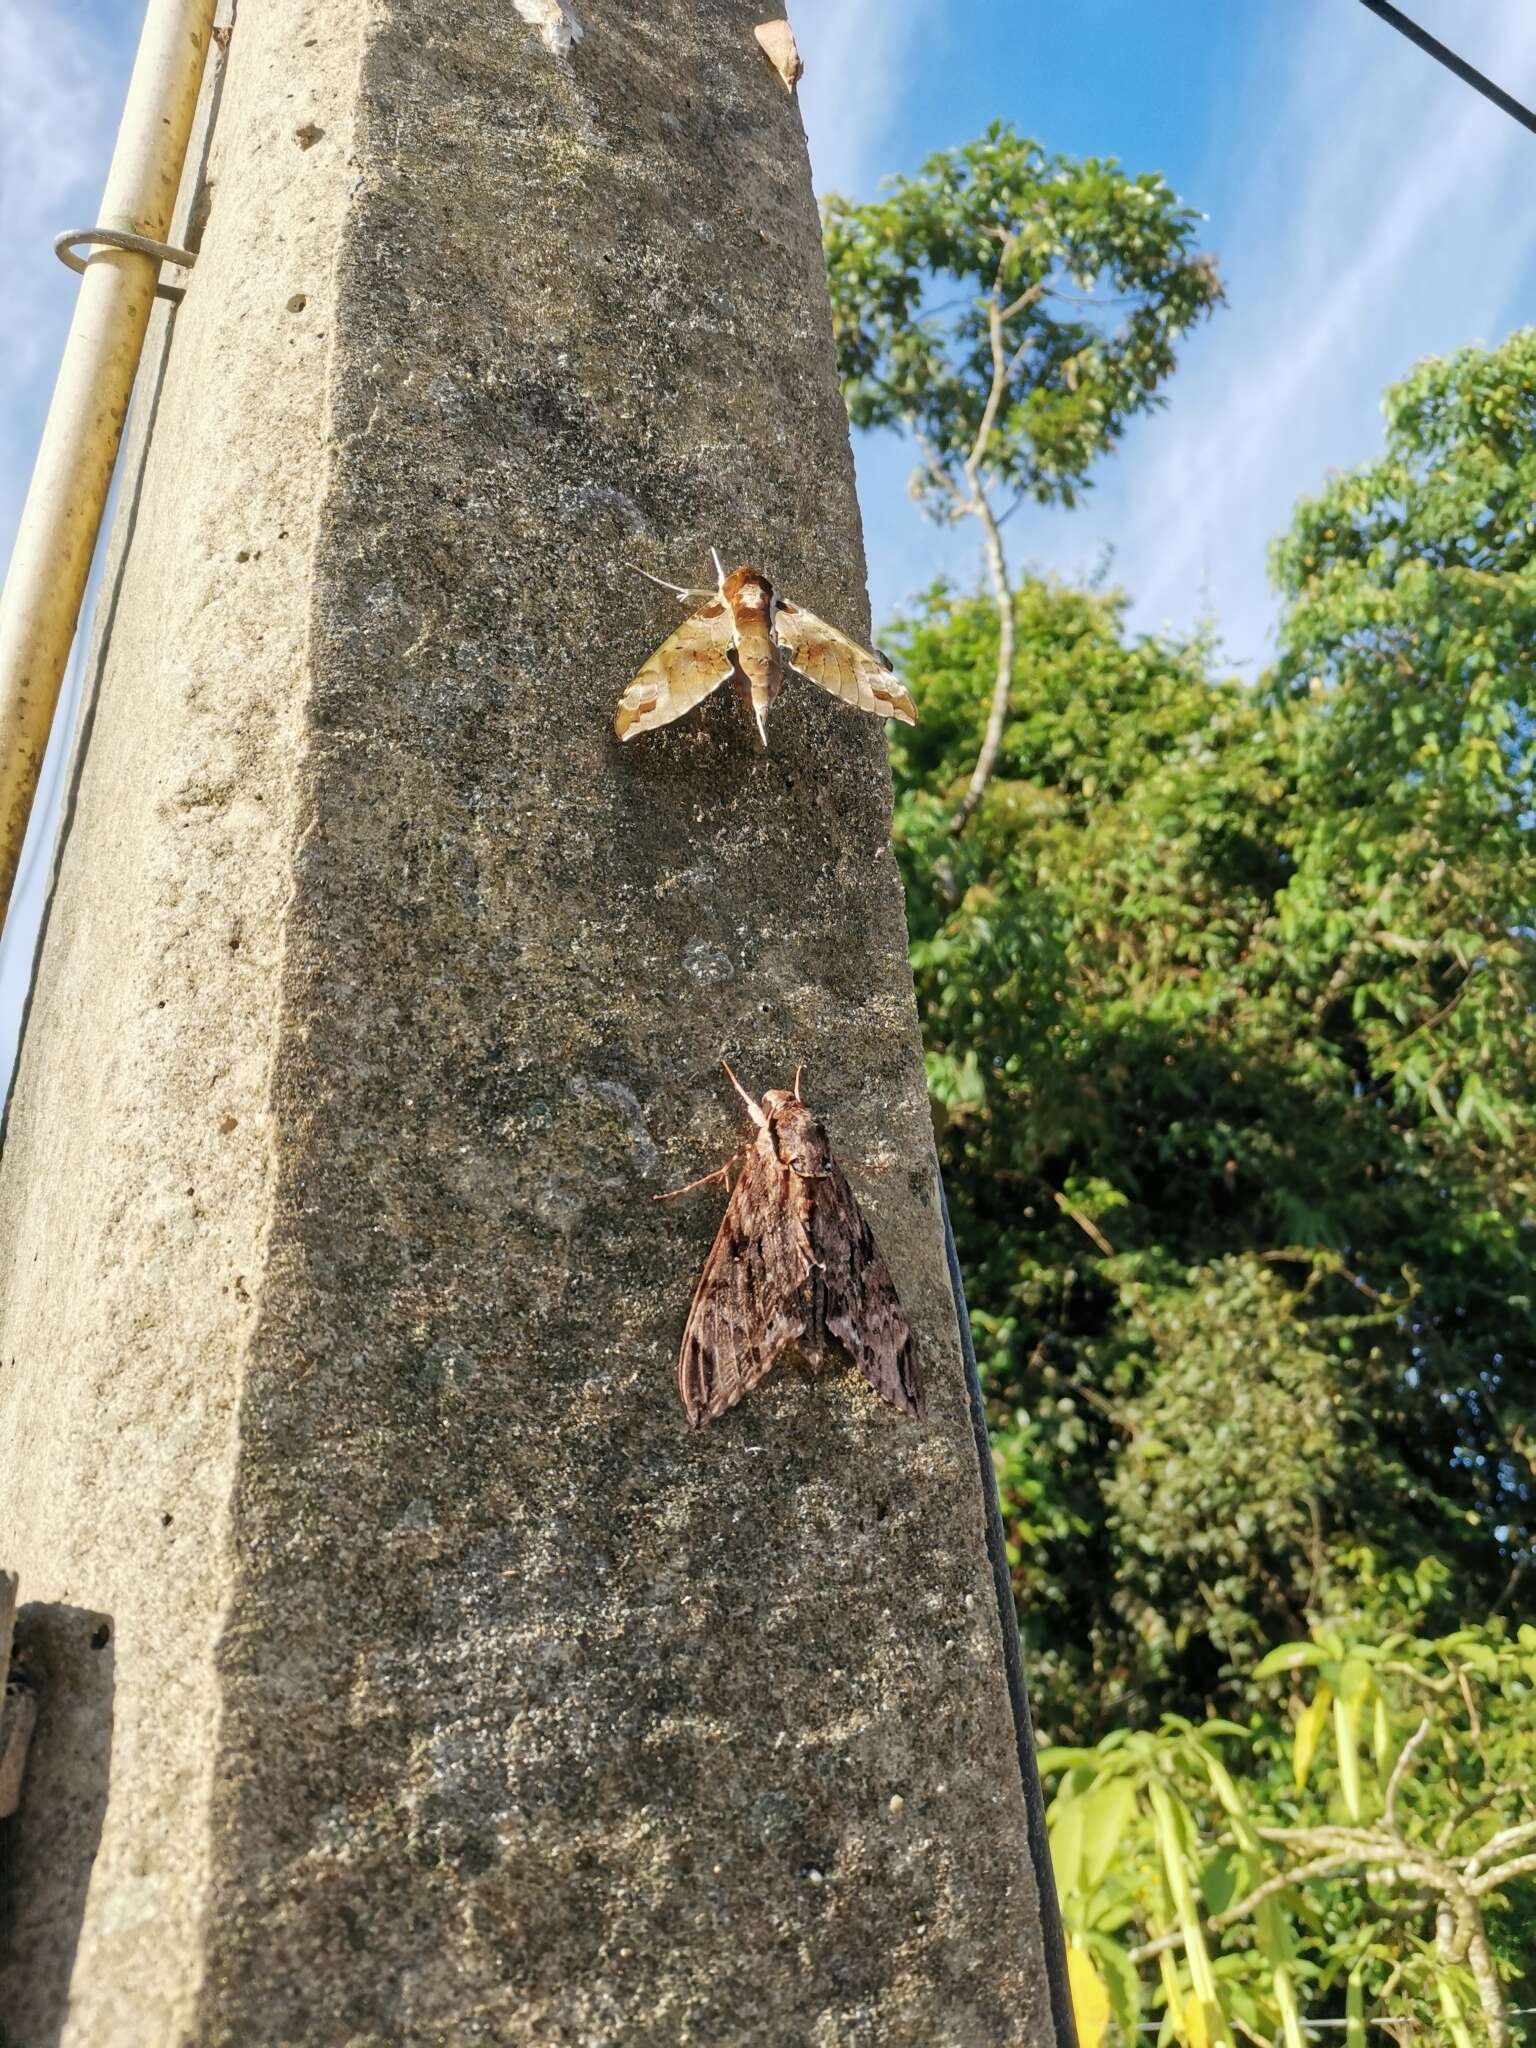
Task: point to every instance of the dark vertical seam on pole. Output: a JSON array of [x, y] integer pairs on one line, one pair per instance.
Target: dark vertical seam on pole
[[1463, 70], [1052, 1934]]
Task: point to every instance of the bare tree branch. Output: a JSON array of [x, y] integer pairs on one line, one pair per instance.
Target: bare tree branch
[[1003, 367], [1507, 1838], [997, 717], [1493, 1880], [1404, 1758]]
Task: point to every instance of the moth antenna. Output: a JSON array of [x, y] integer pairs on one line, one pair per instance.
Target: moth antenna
[[798, 1072], [719, 565], [674, 589], [753, 1110], [760, 713], [703, 1181]]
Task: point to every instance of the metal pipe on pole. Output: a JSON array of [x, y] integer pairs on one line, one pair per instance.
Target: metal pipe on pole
[[55, 541]]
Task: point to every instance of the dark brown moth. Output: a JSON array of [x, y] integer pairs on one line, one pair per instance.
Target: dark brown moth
[[743, 630], [794, 1265]]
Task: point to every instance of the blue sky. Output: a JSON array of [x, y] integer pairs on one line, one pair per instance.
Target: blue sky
[[1366, 209]]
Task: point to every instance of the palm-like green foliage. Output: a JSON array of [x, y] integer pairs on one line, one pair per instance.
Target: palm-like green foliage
[[1365, 1845]]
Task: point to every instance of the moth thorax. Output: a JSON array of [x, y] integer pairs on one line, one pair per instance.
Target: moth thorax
[[798, 1138], [747, 591]]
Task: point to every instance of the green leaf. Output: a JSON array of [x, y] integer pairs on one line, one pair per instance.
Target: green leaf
[[1090, 1998], [1346, 1735], [1309, 1727], [1122, 1980], [1106, 1813], [1066, 1838], [1289, 1657], [1354, 2010]]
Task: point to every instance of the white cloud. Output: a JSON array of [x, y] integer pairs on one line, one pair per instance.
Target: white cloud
[[60, 81], [1366, 210], [859, 62], [1376, 203]]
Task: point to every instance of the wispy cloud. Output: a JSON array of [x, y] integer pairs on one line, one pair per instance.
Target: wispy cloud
[[859, 57], [1366, 209], [1374, 221]]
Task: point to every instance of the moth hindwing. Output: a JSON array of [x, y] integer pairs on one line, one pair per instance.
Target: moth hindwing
[[744, 631], [794, 1265]]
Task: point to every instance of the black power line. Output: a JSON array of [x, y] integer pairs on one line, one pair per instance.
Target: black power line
[[1463, 70]]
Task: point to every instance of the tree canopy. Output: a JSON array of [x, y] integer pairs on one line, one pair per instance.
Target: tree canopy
[[1088, 275], [1227, 996], [1010, 311]]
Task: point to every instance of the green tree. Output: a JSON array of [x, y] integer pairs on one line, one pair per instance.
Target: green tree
[[1010, 310], [1227, 997]]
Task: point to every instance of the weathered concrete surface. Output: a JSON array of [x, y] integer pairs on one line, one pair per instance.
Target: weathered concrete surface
[[538, 1720], [136, 1181]]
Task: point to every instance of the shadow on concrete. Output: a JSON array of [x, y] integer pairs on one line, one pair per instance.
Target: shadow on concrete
[[48, 1847]]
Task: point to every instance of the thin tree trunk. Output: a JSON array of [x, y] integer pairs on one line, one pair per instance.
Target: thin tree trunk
[[997, 570], [1485, 1975]]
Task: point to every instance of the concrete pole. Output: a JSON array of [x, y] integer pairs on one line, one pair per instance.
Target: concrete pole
[[450, 1690]]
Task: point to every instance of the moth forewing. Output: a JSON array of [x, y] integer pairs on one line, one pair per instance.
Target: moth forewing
[[841, 666], [685, 668]]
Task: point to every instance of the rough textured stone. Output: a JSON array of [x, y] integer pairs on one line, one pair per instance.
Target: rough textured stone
[[469, 1697], [135, 1185]]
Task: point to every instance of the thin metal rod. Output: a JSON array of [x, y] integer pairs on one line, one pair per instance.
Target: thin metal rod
[[1053, 1938], [56, 538], [1467, 73]]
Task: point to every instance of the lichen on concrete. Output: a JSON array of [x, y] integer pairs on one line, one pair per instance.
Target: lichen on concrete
[[540, 1719]]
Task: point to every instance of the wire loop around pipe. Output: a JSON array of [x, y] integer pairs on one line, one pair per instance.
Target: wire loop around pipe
[[65, 245]]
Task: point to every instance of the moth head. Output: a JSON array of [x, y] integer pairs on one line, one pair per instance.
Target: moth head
[[798, 1138], [747, 590]]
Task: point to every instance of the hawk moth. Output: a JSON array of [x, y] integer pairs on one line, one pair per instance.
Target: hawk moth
[[745, 631], [794, 1264]]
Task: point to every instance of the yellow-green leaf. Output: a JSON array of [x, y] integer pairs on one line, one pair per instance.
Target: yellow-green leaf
[[1354, 2011], [1174, 1834], [1196, 2032], [1067, 1845], [1289, 1657], [1090, 2000], [1309, 1727], [1290, 2018], [1382, 1747], [1105, 1814], [1173, 1996], [1346, 1735], [1460, 2034]]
